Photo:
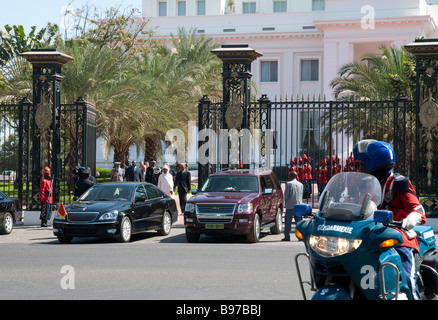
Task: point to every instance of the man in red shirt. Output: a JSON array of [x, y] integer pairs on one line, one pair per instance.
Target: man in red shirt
[[46, 197], [398, 196]]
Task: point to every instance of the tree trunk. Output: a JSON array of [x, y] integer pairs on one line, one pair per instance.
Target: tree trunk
[[151, 148], [121, 156]]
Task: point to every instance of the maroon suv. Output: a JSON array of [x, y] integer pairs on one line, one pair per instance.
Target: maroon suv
[[235, 202]]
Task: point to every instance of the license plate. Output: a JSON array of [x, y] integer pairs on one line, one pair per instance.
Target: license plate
[[214, 226]]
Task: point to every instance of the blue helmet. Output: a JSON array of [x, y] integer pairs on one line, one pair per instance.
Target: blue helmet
[[375, 154]]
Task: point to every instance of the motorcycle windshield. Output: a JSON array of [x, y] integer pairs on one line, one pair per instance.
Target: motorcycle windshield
[[350, 196]]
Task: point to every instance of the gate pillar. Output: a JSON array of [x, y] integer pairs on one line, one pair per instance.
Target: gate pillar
[[426, 134], [46, 144], [236, 95]]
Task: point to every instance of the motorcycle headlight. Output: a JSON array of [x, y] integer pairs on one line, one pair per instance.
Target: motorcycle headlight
[[245, 208], [333, 246], [190, 207], [111, 215]]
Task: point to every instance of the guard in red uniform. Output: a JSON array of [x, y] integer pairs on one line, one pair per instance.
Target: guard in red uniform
[[46, 197], [307, 176], [300, 170], [398, 196]]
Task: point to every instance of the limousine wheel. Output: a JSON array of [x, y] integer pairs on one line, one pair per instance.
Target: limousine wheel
[[125, 230], [166, 224], [8, 224]]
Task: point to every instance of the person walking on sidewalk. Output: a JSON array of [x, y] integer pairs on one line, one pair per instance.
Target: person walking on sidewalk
[[293, 194]]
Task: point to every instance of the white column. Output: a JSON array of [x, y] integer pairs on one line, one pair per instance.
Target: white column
[[336, 54], [329, 67]]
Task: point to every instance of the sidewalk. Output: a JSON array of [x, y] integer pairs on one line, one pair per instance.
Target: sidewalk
[[180, 221]]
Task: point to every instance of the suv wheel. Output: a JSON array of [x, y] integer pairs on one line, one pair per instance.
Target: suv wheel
[[277, 228], [192, 237], [64, 239], [254, 235]]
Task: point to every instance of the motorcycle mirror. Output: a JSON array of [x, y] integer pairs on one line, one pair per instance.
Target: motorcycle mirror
[[302, 209], [383, 216]]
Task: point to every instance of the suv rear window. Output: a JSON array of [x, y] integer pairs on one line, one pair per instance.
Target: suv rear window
[[231, 183]]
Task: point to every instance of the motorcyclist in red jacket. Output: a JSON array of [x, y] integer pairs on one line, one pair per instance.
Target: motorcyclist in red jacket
[[398, 196]]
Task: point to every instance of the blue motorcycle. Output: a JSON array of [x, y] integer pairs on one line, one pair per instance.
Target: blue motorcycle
[[350, 245]]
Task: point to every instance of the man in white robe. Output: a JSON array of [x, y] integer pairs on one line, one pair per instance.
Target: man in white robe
[[165, 181]]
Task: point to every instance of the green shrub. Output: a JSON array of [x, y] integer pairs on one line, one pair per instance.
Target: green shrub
[[104, 173]]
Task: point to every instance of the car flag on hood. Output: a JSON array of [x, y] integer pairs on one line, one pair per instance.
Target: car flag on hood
[[61, 210]]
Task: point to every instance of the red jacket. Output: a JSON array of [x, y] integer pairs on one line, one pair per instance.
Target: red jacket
[[399, 197], [308, 169], [45, 190]]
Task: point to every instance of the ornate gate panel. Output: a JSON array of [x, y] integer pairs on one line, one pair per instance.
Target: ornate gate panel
[[78, 147]]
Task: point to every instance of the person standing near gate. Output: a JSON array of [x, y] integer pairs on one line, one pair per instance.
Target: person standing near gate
[[117, 173], [183, 182], [293, 194], [84, 183], [165, 181], [152, 173], [46, 197], [133, 173]]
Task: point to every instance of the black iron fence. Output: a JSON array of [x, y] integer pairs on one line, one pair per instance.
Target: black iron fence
[[9, 145], [78, 145], [322, 134]]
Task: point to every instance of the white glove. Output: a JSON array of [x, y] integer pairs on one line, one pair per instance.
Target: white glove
[[411, 220]]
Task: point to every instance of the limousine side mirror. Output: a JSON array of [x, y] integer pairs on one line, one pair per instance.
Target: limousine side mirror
[[194, 190]]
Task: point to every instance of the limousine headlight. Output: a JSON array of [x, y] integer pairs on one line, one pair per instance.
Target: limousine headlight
[[111, 215], [190, 207]]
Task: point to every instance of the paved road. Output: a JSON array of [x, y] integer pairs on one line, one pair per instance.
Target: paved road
[[34, 265]]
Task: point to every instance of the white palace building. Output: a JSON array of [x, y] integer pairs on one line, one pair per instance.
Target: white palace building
[[303, 42]]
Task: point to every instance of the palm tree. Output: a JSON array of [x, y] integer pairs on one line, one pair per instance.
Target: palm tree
[[16, 80], [16, 72], [93, 72], [161, 89], [177, 77], [99, 76], [230, 4], [377, 77], [373, 84]]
